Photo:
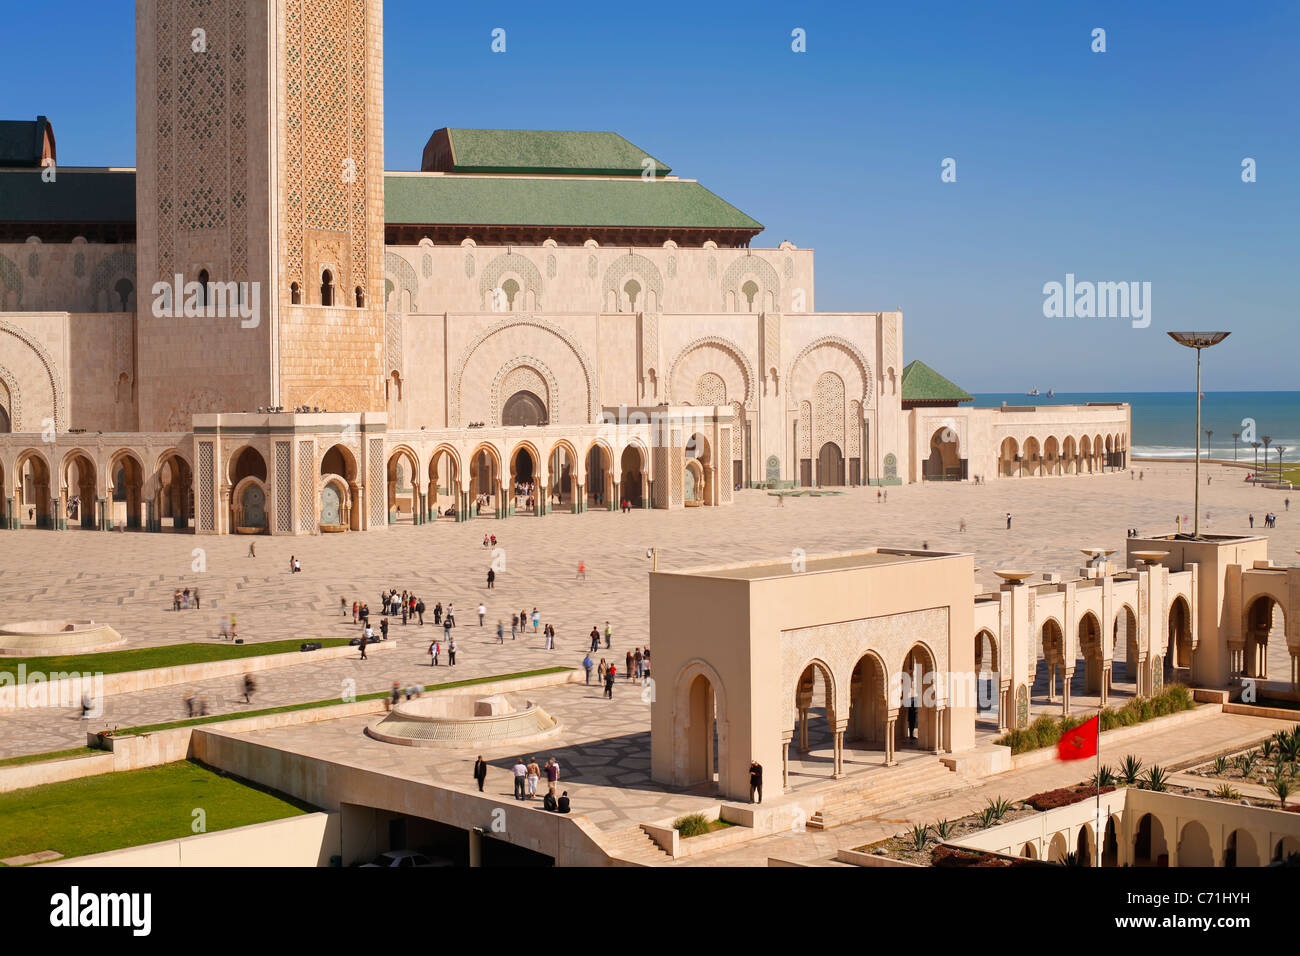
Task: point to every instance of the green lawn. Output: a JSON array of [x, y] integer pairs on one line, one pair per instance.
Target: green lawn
[[147, 658], [50, 755], [132, 808]]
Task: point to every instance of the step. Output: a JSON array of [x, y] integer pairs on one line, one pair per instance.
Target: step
[[884, 792]]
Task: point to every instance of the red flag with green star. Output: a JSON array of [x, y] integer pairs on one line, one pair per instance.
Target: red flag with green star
[[1080, 742]]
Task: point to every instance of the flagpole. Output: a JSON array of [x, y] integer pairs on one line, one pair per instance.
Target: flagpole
[[1101, 830]]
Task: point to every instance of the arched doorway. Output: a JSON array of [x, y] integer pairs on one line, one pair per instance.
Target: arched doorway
[[814, 728], [701, 734], [1110, 845], [1032, 460], [1085, 455], [1092, 653], [1070, 456], [1149, 843], [1058, 848], [1178, 656], [523, 479], [79, 490], [523, 408], [1028, 852], [1051, 660], [339, 491], [600, 477], [563, 478], [988, 691], [1052, 456], [944, 461], [1085, 850], [1264, 635], [1124, 647], [700, 755], [830, 465], [402, 490], [918, 726], [697, 481], [174, 499], [484, 481], [868, 704], [128, 486], [247, 474], [632, 485], [1009, 458], [1194, 846], [32, 491], [444, 482], [1239, 851]]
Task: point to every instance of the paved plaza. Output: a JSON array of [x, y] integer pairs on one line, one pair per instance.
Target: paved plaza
[[127, 579]]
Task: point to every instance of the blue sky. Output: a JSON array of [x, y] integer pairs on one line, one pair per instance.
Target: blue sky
[[1115, 166]]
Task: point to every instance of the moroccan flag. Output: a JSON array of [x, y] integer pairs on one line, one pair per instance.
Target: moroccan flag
[[1080, 742]]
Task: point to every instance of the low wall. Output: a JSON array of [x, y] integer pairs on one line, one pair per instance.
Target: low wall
[[1254, 710], [22, 776], [14, 696], [858, 858], [306, 840]]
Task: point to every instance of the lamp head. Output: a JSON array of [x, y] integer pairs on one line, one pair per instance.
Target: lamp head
[[1198, 340]]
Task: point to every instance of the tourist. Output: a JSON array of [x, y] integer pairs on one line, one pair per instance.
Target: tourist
[[628, 675], [449, 615], [203, 705], [645, 665], [369, 633], [911, 718], [234, 628], [1287, 502], [520, 770], [485, 541], [404, 610], [355, 609], [249, 687], [600, 671], [501, 631], [534, 775], [636, 661], [196, 599], [552, 774], [451, 652], [879, 496], [549, 802], [383, 628], [480, 771], [291, 564], [1008, 520], [363, 642], [550, 643], [514, 626], [87, 703], [185, 599], [587, 665], [437, 613], [491, 578], [297, 565], [563, 803], [434, 649], [537, 619], [608, 635], [446, 628], [397, 695], [582, 571], [755, 781], [176, 600], [189, 699], [252, 549], [383, 602], [343, 606], [609, 682], [482, 613], [962, 527], [595, 639], [419, 610], [1252, 520]]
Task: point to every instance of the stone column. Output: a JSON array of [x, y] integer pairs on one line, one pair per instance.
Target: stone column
[[786, 737], [891, 726], [58, 516], [1051, 683], [11, 521], [105, 516], [614, 500], [1065, 692], [1105, 683], [840, 727], [803, 730]]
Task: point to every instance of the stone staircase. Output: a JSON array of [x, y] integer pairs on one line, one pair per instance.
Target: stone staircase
[[857, 799], [632, 846]]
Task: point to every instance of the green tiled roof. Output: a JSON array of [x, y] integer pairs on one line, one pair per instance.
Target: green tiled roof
[[433, 199], [923, 384], [22, 142], [566, 152], [76, 195]]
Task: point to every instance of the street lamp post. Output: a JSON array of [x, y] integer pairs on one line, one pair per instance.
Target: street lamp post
[[1208, 452], [1235, 436], [1198, 341], [1279, 449], [1255, 475], [1267, 441]]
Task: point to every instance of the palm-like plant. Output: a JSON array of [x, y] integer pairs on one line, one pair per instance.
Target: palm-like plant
[[1282, 787], [1073, 859], [1288, 744], [1220, 766], [1000, 808], [919, 836], [943, 829], [1105, 777], [1268, 748], [1129, 769], [1246, 763], [1156, 779], [987, 818], [1225, 791]]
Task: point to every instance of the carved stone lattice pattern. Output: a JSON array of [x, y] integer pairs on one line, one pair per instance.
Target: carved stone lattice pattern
[[283, 487], [1022, 707], [469, 265], [732, 350], [165, 82], [738, 432], [207, 510], [829, 404], [633, 265], [402, 275], [238, 146], [11, 280], [16, 423], [376, 485], [752, 267], [393, 342], [592, 267], [306, 485], [787, 267], [512, 262], [33, 265], [110, 269], [525, 373], [834, 341], [805, 429], [853, 430], [710, 390], [672, 267], [426, 266], [51, 370], [201, 111], [550, 267]]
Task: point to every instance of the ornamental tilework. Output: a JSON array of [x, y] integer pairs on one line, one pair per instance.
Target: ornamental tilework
[[283, 487], [306, 485]]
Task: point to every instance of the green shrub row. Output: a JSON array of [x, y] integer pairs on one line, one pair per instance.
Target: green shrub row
[[1046, 731]]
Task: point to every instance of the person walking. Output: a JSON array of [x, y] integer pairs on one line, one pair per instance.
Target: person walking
[[482, 613], [636, 661], [628, 672], [397, 695], [582, 571], [419, 610], [537, 619], [249, 687], [552, 775], [480, 772], [608, 635], [383, 628], [534, 774], [514, 626], [755, 781], [520, 770], [363, 642], [491, 576], [433, 652], [451, 652], [595, 639], [446, 628], [234, 628], [343, 605], [252, 549], [196, 599], [1252, 520], [550, 637], [356, 611], [1008, 520], [600, 672], [586, 666], [437, 613], [501, 632], [609, 683], [449, 615]]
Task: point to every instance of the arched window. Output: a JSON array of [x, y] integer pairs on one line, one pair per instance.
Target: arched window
[[124, 288], [361, 298], [633, 289], [327, 288], [203, 286], [749, 290], [511, 288], [295, 294]]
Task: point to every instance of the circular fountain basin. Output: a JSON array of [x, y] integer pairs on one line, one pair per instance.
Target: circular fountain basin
[[464, 720], [56, 637]]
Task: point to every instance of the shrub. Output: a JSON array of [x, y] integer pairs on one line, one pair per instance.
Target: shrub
[[943, 829], [919, 836], [1063, 796], [1130, 769], [1246, 763], [1220, 766], [1000, 808], [1282, 787], [693, 824], [1105, 777], [1156, 779], [1225, 792], [987, 818]]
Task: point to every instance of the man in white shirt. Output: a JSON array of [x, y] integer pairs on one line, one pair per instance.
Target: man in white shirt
[[482, 611], [520, 770]]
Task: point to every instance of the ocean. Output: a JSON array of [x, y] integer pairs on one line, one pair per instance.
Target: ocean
[[1164, 423]]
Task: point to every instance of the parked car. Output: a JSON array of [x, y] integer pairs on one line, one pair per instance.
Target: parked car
[[408, 858]]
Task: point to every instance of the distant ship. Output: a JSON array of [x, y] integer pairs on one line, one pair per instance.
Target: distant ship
[[1032, 393], [1051, 393]]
